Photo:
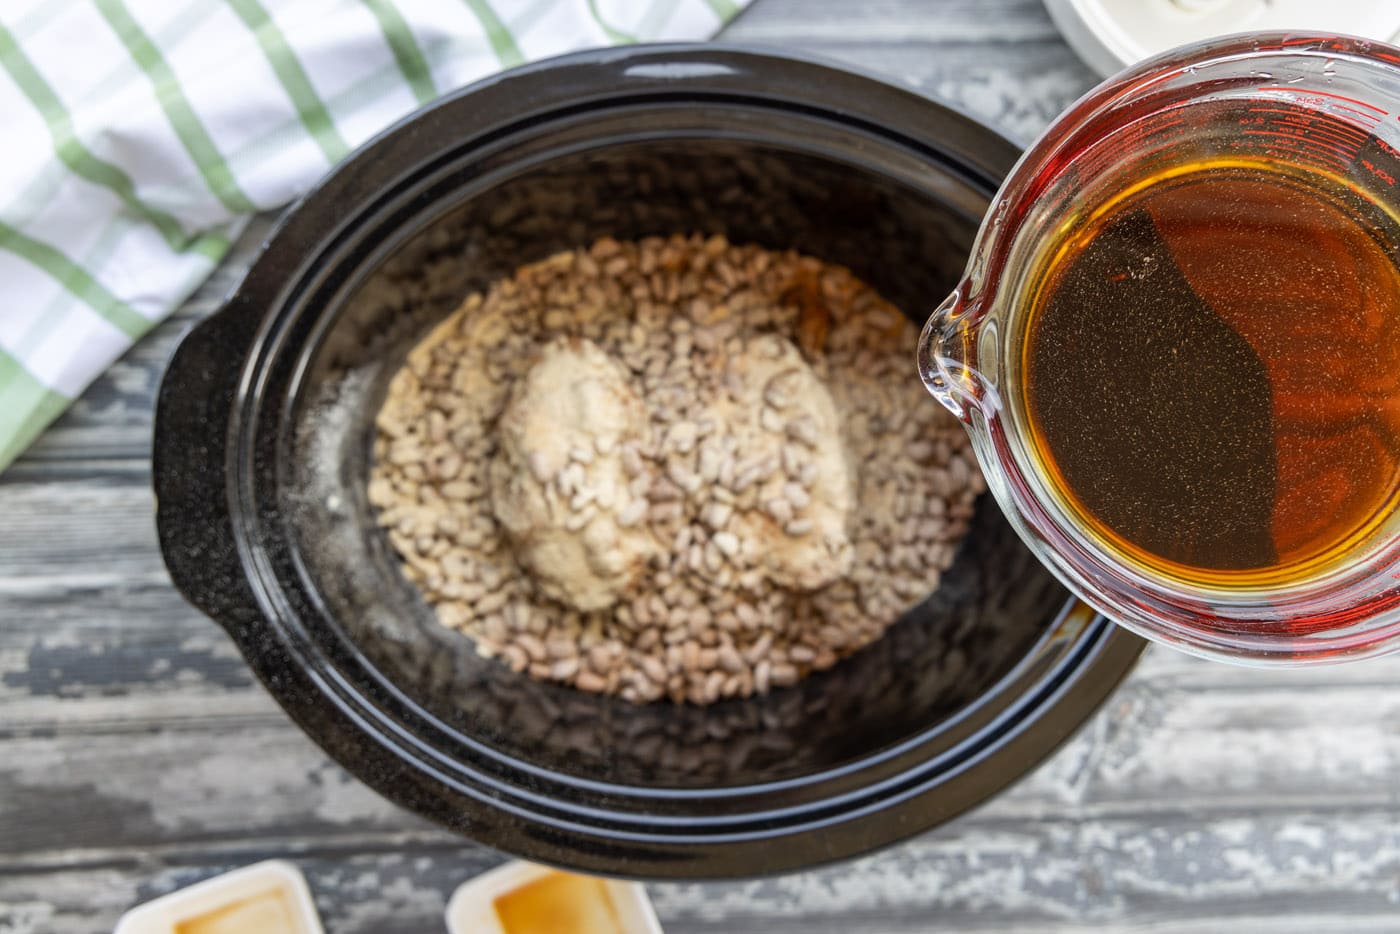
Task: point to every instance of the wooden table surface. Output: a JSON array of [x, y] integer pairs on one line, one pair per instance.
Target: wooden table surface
[[137, 754]]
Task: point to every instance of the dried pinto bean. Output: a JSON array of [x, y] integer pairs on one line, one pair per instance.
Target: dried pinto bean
[[758, 571]]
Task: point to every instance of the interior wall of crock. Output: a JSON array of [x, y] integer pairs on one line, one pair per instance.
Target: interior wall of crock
[[943, 655]]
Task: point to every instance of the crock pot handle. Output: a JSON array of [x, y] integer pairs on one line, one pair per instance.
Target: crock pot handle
[[188, 465]]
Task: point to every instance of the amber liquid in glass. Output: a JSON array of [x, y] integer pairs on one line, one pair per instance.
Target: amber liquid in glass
[[1211, 370]]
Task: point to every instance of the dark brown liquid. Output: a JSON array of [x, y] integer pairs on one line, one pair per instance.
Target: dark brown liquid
[[1212, 368]]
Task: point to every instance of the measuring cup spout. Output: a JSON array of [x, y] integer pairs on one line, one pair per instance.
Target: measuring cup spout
[[946, 347]]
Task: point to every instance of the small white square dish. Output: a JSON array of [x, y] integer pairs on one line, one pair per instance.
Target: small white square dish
[[525, 898], [267, 898]]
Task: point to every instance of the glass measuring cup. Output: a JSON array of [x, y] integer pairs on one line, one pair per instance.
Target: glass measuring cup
[[1325, 105]]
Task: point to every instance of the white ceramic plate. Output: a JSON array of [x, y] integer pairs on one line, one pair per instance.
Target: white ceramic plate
[[1113, 34]]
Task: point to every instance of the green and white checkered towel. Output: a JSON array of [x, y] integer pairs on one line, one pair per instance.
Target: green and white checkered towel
[[139, 135]]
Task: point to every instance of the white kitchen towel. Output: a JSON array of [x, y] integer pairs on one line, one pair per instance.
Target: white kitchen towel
[[139, 135]]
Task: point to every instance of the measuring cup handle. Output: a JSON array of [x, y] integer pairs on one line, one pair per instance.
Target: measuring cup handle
[[947, 346]]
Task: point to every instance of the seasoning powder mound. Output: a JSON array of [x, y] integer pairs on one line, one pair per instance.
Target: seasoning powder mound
[[675, 468]]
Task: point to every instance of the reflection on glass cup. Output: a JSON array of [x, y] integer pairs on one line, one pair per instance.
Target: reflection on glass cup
[[1177, 348]]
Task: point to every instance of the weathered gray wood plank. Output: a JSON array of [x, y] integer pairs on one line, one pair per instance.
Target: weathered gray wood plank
[[164, 755], [1001, 61], [1056, 875]]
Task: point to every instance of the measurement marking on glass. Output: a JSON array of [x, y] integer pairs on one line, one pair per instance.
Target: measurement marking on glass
[[1349, 145], [1290, 142], [1292, 118], [1301, 95]]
